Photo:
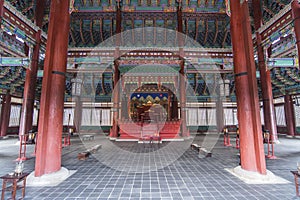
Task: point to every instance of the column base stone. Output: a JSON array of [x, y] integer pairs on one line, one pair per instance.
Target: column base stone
[[52, 179], [250, 177]]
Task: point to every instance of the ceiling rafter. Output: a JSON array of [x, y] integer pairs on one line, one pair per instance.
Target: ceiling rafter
[[216, 31], [186, 25], [111, 26], [14, 2], [81, 32], [165, 26], [268, 10], [186, 30], [101, 29], [93, 83], [224, 39], [154, 31], [206, 2], [72, 36], [26, 9], [143, 31], [279, 3], [214, 3], [196, 29], [206, 32], [132, 32], [83, 2], [91, 31]]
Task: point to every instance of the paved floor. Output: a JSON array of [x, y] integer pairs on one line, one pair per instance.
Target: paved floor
[[171, 170]]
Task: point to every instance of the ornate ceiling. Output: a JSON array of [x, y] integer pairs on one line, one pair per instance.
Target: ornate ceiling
[[93, 23]]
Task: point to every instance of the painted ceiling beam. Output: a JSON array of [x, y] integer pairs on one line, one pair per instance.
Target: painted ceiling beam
[[283, 17], [13, 16], [14, 61]]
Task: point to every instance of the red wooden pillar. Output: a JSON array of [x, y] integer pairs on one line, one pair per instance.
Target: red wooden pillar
[[182, 83], [251, 144], [184, 130], [116, 100], [5, 114], [31, 75], [266, 85], [174, 107], [29, 89], [289, 112], [116, 92], [77, 113], [1, 10], [48, 154], [220, 115], [296, 15]]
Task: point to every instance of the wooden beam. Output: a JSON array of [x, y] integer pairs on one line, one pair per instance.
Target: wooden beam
[[132, 32], [143, 31], [165, 36], [91, 32], [93, 83], [81, 32], [216, 31], [206, 2], [268, 10], [224, 39], [111, 26], [26, 9], [101, 29], [196, 29], [72, 36], [214, 3], [186, 29], [154, 31], [206, 32], [280, 4]]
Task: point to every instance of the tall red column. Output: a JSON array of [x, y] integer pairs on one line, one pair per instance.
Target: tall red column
[[116, 92], [251, 143], [182, 85], [116, 101], [296, 15], [77, 113], [29, 89], [48, 154], [265, 77], [5, 114], [1, 10], [220, 115], [289, 112]]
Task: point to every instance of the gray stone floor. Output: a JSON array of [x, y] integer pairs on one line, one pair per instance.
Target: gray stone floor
[[171, 170]]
